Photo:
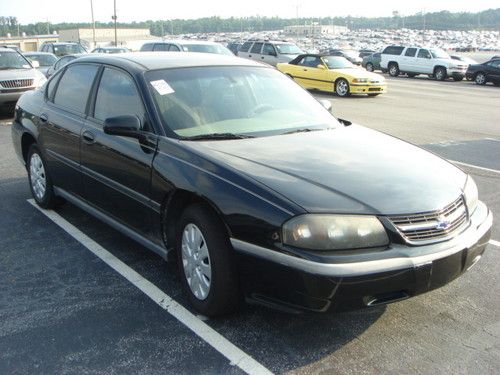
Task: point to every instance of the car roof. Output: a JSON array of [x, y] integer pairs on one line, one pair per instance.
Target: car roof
[[166, 60], [32, 53]]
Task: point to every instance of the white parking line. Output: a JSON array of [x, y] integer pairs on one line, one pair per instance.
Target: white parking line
[[213, 338], [495, 243], [474, 166]]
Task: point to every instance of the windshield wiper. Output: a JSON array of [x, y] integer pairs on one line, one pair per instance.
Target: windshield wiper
[[216, 136], [304, 130]]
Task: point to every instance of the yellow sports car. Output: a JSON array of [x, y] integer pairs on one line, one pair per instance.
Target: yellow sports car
[[333, 73]]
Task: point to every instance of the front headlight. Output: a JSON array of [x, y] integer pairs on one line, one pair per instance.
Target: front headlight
[[334, 232], [360, 80], [471, 195]]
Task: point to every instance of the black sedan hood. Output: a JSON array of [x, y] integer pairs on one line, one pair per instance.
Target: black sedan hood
[[344, 170]]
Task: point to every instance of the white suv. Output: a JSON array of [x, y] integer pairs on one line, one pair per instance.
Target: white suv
[[415, 60]]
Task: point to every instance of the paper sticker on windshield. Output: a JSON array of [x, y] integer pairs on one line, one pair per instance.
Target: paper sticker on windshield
[[162, 87]]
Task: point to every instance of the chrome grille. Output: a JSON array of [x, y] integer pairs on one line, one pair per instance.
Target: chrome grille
[[429, 226], [16, 83]]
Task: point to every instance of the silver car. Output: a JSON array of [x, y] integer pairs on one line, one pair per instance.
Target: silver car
[[269, 51], [44, 59], [17, 75]]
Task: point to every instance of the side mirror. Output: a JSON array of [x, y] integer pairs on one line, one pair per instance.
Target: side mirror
[[321, 66], [125, 126], [326, 104], [35, 64]]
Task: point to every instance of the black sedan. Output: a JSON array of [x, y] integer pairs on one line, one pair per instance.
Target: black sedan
[[250, 183], [485, 72]]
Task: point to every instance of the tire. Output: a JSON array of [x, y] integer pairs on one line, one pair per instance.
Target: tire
[[458, 78], [40, 182], [342, 88], [370, 67], [205, 257], [480, 78], [440, 74], [393, 70]]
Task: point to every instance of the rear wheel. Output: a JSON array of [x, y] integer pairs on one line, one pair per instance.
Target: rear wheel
[[40, 183], [393, 70], [480, 78], [206, 262], [342, 87], [370, 67], [440, 74]]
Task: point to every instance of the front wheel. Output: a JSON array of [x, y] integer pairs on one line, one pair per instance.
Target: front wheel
[[440, 74], [369, 67], [206, 262], [480, 79], [40, 183], [342, 88]]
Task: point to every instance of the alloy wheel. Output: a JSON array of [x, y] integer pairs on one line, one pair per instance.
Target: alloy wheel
[[38, 178], [480, 79], [342, 88], [196, 261]]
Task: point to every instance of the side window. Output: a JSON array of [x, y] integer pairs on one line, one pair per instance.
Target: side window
[[117, 95], [174, 48], [311, 61], [256, 48], [147, 47], [494, 64], [269, 50], [74, 87], [410, 52], [245, 47], [424, 54], [393, 50], [161, 47]]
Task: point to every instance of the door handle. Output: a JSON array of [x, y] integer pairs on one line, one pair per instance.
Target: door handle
[[249, 55], [44, 118], [262, 57], [305, 70], [88, 137]]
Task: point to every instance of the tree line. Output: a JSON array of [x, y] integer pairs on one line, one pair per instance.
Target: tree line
[[444, 20]]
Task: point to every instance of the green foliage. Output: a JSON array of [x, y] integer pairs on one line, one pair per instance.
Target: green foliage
[[485, 20]]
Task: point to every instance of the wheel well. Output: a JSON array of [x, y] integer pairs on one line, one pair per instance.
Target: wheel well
[[439, 66], [392, 63], [26, 141], [171, 210]]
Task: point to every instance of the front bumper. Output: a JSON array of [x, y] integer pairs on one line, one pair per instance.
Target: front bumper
[[276, 278], [365, 88]]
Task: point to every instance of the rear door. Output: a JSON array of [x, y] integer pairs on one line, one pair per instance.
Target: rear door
[[244, 51], [63, 118], [408, 60], [255, 51], [117, 170]]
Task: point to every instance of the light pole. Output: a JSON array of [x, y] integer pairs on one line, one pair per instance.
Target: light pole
[[114, 19], [93, 22]]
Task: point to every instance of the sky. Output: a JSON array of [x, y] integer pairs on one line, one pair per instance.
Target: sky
[[55, 11]]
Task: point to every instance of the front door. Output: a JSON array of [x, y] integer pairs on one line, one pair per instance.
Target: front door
[[117, 170]]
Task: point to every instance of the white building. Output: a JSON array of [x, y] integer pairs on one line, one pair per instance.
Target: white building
[[314, 29]]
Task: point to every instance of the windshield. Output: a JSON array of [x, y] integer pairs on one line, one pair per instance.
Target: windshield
[[288, 49], [250, 101], [207, 48], [43, 60], [68, 49], [13, 60], [439, 54], [335, 62]]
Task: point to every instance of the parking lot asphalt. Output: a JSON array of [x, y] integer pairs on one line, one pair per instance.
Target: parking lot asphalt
[[63, 310]]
